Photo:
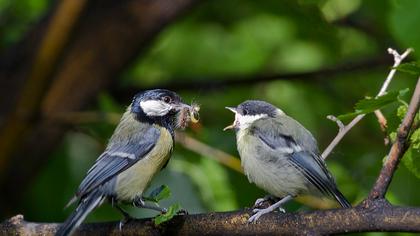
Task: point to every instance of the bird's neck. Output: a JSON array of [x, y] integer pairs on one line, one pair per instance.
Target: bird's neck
[[163, 121]]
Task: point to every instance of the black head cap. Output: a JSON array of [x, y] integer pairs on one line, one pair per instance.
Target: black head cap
[[256, 107], [162, 95], [156, 94]]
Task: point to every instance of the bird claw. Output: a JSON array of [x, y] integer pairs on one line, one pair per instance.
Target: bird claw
[[256, 216], [259, 212], [256, 210], [259, 201], [123, 222], [182, 212]]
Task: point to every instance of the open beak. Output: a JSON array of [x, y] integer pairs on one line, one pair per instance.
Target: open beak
[[232, 126]]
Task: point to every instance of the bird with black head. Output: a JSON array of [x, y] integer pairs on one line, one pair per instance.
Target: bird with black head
[[140, 147], [280, 156]]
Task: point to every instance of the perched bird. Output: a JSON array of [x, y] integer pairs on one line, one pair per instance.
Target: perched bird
[[139, 148], [280, 156]]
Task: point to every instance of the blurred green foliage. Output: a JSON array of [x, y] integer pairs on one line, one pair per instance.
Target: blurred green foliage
[[16, 18], [242, 37]]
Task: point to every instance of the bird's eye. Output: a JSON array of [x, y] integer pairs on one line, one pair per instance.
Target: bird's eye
[[244, 112], [167, 99]]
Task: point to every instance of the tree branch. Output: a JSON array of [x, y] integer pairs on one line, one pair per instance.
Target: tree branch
[[376, 215], [398, 148], [343, 130]]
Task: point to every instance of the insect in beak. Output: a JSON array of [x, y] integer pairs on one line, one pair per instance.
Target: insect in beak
[[195, 116]]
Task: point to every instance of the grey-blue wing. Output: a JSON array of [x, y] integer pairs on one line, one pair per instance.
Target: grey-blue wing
[[302, 154], [118, 157], [283, 131], [315, 171]]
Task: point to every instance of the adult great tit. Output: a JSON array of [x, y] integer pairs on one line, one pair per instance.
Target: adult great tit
[[280, 156], [139, 148]]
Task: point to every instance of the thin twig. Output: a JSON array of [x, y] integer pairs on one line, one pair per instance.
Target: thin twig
[[336, 120], [383, 124], [343, 131], [397, 61], [397, 149]]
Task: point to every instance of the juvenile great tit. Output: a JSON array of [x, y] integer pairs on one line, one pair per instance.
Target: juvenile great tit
[[139, 148], [280, 156]]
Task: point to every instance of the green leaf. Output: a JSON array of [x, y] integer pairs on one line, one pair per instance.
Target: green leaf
[[393, 136], [411, 160], [401, 111], [412, 67], [415, 139], [370, 104], [172, 211], [159, 194]]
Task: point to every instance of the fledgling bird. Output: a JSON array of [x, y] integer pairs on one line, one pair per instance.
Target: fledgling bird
[[139, 148], [280, 156]]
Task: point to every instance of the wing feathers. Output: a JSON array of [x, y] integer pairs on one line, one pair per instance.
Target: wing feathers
[[302, 154], [118, 157]]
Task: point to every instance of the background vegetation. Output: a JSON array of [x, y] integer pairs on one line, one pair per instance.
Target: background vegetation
[[311, 58]]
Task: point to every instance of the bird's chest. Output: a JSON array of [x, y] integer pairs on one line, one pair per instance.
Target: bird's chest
[[268, 169], [134, 181], [251, 160]]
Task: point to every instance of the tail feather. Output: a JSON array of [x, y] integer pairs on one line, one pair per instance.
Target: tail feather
[[85, 206], [341, 199]]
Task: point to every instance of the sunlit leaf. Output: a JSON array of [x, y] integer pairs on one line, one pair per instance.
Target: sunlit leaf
[[370, 104], [158, 194], [401, 111], [415, 139], [411, 160], [412, 67], [172, 211]]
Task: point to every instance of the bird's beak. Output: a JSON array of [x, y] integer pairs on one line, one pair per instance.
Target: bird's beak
[[181, 106], [233, 109], [232, 126]]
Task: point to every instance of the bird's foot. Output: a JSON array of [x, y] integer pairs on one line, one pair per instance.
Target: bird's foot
[[259, 201], [182, 212], [127, 217], [269, 199], [139, 202], [259, 212], [124, 221]]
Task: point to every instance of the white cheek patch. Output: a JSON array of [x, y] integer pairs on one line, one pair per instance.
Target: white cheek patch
[[247, 120], [155, 108]]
